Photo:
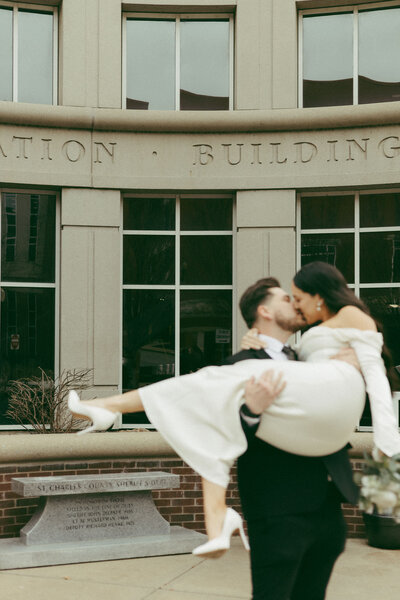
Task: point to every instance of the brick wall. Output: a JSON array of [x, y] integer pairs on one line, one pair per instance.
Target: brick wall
[[182, 506]]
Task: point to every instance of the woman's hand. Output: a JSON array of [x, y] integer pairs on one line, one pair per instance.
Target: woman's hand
[[251, 341], [260, 393]]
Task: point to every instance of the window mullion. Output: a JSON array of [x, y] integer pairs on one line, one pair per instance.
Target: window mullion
[[124, 62], [231, 63], [55, 61], [15, 54], [357, 243], [355, 57], [177, 287], [177, 63], [300, 61]]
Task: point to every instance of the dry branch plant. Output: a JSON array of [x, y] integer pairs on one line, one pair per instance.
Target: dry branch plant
[[39, 404]]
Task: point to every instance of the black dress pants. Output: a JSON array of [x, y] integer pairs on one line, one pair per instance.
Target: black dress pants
[[292, 556]]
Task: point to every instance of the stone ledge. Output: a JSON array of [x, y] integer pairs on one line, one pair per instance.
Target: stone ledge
[[290, 119], [28, 448], [25, 447]]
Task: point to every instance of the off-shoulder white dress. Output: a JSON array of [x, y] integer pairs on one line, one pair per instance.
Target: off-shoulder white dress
[[315, 415]]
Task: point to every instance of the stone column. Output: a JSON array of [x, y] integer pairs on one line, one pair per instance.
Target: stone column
[[266, 244], [90, 288], [90, 53]]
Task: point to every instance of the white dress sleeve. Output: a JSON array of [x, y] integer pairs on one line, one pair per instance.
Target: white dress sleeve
[[368, 347]]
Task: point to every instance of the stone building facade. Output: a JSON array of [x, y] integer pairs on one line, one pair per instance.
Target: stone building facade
[[157, 157]]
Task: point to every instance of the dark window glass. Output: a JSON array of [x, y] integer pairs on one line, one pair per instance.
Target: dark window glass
[[379, 210], [150, 64], [206, 214], [148, 340], [334, 248], [380, 257], [204, 67], [28, 237], [206, 328], [6, 49], [379, 55], [149, 259], [328, 60], [149, 213], [27, 336], [327, 212], [384, 304], [206, 260]]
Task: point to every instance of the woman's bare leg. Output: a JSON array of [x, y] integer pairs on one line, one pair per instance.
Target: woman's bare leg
[[214, 497], [129, 402]]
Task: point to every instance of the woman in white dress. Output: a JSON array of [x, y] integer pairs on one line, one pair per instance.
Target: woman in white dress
[[314, 413]]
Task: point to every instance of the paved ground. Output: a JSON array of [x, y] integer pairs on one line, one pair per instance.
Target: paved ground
[[363, 573]]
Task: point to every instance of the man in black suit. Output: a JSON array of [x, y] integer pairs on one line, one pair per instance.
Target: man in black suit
[[291, 502]]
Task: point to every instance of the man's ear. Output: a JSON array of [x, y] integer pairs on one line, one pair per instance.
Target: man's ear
[[263, 312]]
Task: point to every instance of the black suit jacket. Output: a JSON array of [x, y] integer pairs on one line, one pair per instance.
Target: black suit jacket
[[274, 482]]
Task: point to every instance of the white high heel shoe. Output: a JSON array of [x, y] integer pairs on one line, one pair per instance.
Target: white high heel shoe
[[102, 418], [219, 545]]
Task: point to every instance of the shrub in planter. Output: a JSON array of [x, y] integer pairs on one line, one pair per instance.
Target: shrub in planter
[[39, 404]]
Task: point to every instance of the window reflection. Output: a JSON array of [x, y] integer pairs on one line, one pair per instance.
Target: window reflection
[[328, 60], [379, 210], [206, 260], [334, 248], [27, 336], [380, 257], [35, 57], [152, 340], [202, 77], [6, 19], [206, 328], [204, 65], [202, 214], [150, 64], [149, 213], [28, 237], [148, 340], [379, 56], [149, 259], [327, 212]]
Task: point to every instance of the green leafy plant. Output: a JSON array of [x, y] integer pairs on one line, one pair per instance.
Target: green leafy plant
[[39, 404], [380, 484]]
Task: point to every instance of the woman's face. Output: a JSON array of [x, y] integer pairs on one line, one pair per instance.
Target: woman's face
[[306, 304]]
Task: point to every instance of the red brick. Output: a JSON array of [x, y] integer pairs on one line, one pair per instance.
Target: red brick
[[182, 502], [184, 517], [169, 510], [13, 512]]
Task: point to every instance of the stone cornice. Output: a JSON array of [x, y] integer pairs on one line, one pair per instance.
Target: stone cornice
[[241, 121], [32, 448]]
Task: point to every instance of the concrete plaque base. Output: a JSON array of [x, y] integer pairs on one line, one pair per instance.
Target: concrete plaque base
[[87, 518], [15, 554]]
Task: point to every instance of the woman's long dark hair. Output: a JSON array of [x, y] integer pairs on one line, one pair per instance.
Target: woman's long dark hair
[[327, 281]]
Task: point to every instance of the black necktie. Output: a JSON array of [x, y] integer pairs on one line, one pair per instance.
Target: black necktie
[[290, 353]]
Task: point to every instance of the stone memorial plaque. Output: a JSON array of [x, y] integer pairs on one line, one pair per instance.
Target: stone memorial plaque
[[95, 517], [31, 487], [85, 518]]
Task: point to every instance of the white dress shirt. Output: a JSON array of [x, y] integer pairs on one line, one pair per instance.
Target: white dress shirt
[[273, 348]]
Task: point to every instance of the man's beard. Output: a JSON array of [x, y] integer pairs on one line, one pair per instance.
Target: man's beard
[[291, 324]]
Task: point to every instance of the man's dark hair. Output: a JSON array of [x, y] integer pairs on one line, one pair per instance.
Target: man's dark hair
[[255, 295]]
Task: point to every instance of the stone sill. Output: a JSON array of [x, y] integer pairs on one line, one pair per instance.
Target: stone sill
[[290, 119], [28, 448]]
